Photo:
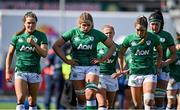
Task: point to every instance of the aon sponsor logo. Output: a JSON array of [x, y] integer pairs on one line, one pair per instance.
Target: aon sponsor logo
[[109, 60], [26, 48], [142, 52], [84, 47]]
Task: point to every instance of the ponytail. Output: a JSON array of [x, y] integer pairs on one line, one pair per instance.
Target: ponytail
[[21, 31]]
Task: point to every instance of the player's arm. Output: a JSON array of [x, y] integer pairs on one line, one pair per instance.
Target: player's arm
[[172, 58], [109, 43], [122, 58], [121, 62], [9, 58], [42, 50], [159, 57], [57, 47]]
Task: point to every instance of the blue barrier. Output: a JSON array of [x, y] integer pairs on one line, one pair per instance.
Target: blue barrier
[[1, 79]]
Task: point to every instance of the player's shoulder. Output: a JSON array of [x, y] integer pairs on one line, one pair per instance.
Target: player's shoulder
[[96, 31], [39, 32], [152, 35], [165, 32]]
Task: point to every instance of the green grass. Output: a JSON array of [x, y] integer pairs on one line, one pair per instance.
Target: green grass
[[7, 105], [11, 105]]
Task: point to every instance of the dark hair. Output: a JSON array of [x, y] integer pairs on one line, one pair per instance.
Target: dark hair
[[142, 20], [157, 16], [28, 14]]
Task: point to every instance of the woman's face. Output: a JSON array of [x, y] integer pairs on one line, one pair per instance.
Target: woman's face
[[85, 27], [30, 24], [108, 32], [141, 30], [155, 26]]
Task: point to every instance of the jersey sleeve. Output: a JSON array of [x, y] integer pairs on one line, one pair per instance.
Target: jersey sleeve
[[170, 40], [103, 37], [13, 40], [44, 40], [67, 35], [125, 43], [128, 60], [156, 40], [118, 46]]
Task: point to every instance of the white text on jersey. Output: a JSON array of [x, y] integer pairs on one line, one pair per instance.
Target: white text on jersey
[[26, 48], [142, 52], [84, 47]]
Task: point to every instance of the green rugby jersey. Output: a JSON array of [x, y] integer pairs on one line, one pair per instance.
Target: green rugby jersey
[[128, 61], [166, 40], [175, 67], [27, 59], [141, 54], [108, 66], [84, 45]]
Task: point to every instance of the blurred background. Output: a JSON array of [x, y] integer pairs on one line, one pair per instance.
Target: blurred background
[[57, 16]]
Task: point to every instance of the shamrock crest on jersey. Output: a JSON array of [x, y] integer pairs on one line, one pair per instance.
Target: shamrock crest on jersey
[[77, 39], [162, 40], [133, 43], [91, 38], [148, 42], [20, 40], [101, 51]]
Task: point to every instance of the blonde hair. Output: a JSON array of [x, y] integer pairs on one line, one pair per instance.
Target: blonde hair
[[85, 17], [108, 26]]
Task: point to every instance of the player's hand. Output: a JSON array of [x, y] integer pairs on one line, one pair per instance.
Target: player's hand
[[172, 81], [118, 74], [9, 76], [73, 62], [115, 75], [31, 41], [163, 63], [95, 61]]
